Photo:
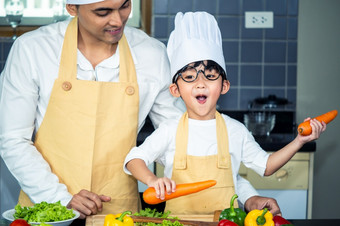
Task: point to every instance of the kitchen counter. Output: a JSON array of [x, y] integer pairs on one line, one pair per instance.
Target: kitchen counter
[[277, 141], [311, 222], [316, 222]]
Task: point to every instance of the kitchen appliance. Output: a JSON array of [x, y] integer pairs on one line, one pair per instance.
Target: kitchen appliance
[[260, 123], [272, 102], [262, 114]]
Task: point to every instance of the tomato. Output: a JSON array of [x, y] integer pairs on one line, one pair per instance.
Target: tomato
[[19, 222]]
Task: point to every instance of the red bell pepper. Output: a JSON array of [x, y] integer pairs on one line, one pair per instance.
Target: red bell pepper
[[278, 220], [19, 222], [226, 222]]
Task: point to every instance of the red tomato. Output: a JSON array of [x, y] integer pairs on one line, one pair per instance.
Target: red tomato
[[19, 222]]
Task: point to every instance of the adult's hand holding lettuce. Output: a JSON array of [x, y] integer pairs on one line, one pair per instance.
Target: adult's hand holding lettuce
[[87, 203], [43, 212]]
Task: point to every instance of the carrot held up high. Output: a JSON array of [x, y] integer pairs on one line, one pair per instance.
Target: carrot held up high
[[305, 128]]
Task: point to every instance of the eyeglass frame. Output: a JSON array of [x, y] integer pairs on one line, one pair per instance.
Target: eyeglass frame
[[210, 64]]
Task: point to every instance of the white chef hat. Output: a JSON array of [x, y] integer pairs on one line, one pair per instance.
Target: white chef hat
[[196, 37], [82, 2]]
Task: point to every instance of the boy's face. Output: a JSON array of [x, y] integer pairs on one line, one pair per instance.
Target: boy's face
[[102, 22], [201, 95]]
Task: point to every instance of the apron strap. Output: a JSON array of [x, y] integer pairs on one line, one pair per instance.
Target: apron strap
[[180, 159], [68, 61], [222, 142], [125, 56]]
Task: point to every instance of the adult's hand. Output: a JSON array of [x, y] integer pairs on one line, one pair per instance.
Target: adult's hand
[[87, 203], [259, 202]]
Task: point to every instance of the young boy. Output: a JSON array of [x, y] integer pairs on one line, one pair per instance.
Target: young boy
[[204, 144]]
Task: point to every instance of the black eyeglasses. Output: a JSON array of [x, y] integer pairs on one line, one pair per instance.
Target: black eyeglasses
[[190, 74]]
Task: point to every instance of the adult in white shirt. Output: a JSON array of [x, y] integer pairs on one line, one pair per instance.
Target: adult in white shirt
[[83, 106]]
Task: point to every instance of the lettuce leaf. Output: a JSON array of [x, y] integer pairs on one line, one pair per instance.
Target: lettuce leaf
[[43, 212]]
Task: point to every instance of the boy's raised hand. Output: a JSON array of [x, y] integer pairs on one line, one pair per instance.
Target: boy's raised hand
[[162, 185], [317, 128]]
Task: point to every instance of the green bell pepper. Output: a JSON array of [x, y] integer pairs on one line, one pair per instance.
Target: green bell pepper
[[236, 215]]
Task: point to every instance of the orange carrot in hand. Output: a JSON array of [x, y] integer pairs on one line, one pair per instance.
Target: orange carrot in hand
[[305, 128], [149, 194]]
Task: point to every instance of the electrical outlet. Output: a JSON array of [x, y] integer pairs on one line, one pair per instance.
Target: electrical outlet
[[259, 19]]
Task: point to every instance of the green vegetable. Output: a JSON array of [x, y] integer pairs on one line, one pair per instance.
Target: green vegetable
[[147, 212], [164, 223], [236, 215], [43, 212]]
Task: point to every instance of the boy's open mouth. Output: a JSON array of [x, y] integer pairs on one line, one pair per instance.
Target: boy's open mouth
[[201, 99]]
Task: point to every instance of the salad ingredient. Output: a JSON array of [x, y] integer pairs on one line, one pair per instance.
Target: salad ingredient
[[259, 218], [149, 194], [279, 221], [226, 222], [236, 215], [120, 219], [164, 223], [147, 212], [305, 128], [43, 212], [19, 222]]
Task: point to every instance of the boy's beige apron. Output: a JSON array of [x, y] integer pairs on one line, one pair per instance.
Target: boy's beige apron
[[189, 169], [89, 127]]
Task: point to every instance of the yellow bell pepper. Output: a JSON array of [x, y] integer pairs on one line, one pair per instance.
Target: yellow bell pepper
[[259, 218], [119, 219]]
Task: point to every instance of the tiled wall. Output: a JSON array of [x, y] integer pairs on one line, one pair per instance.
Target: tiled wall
[[259, 61]]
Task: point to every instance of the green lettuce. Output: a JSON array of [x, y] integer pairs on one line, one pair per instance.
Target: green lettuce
[[43, 212]]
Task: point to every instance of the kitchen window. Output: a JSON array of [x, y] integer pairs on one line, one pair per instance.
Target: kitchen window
[[42, 12]]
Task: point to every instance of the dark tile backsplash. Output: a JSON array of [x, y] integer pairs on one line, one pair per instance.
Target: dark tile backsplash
[[259, 61]]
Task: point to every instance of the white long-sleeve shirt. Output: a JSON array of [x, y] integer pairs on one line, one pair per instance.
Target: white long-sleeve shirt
[[202, 141], [25, 88]]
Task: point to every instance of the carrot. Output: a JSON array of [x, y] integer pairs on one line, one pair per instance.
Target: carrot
[[149, 194], [305, 128]]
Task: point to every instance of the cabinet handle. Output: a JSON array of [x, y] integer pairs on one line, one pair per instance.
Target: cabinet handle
[[281, 174]]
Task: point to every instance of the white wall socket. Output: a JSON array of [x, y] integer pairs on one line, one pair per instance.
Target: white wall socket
[[261, 19]]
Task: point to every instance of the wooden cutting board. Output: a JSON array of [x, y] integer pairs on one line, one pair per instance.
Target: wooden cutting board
[[98, 220]]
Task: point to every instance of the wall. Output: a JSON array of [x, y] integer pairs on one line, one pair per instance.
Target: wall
[[259, 61], [318, 91]]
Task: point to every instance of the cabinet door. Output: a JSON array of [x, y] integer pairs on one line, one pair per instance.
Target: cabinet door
[[293, 203], [293, 175]]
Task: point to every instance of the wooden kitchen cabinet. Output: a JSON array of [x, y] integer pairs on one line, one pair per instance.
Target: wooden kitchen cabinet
[[295, 179]]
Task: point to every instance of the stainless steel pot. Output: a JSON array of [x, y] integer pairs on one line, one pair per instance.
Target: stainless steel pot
[[268, 103]]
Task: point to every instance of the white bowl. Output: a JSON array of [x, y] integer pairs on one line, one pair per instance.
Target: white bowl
[[8, 215]]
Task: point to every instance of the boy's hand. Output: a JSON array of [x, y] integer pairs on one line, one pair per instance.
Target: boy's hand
[[163, 185], [317, 129]]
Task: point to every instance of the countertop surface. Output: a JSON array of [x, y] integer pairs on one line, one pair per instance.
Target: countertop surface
[[276, 141], [309, 222]]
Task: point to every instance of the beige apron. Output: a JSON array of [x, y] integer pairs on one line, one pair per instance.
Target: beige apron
[[189, 169], [89, 127]]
